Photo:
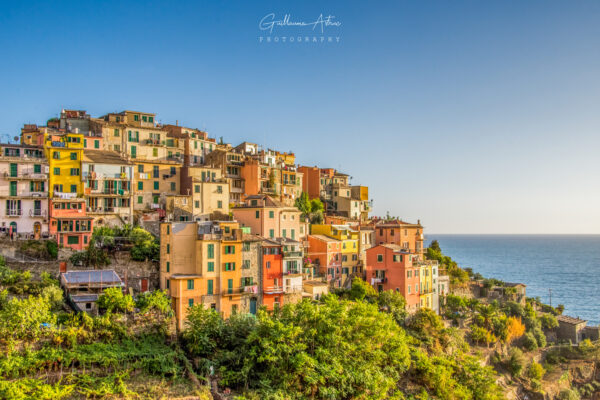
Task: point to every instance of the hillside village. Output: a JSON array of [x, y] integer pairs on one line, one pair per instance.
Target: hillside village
[[183, 263], [235, 232]]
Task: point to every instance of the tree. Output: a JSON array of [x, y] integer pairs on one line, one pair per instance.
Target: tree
[[361, 290], [113, 299], [435, 246], [516, 329], [94, 256], [303, 204], [548, 321], [316, 205], [145, 246], [154, 301], [393, 303], [516, 361]]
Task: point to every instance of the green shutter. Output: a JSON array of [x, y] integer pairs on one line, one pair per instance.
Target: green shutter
[[210, 286]]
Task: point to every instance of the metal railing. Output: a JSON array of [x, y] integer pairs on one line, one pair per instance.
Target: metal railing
[[36, 212], [14, 212]]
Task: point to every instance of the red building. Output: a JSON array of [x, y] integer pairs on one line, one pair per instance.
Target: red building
[[272, 282], [389, 267], [69, 222]]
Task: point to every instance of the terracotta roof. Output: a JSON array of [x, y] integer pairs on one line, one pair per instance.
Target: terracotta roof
[[104, 157], [325, 238], [570, 320]]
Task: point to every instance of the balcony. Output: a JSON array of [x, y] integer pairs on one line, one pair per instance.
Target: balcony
[[380, 280], [14, 212], [108, 192], [292, 254], [293, 289], [251, 289], [154, 142], [65, 195], [26, 175], [36, 212], [273, 290], [23, 194], [232, 291]]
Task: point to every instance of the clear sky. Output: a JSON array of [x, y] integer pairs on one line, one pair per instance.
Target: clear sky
[[472, 116]]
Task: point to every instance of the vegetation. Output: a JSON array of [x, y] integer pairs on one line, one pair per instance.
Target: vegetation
[[47, 353], [312, 209], [40, 249], [458, 276]]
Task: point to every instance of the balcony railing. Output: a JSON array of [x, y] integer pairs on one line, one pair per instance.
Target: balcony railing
[[26, 175], [23, 193], [36, 212], [14, 212], [231, 291], [273, 289], [292, 254]]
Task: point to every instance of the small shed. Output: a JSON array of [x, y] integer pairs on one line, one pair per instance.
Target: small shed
[[314, 289], [84, 287], [570, 328]]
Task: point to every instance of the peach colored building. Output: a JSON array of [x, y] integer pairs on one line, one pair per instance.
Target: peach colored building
[[389, 267], [406, 235], [269, 218], [311, 183], [325, 253]]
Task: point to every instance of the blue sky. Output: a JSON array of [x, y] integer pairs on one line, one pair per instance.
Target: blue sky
[[474, 117]]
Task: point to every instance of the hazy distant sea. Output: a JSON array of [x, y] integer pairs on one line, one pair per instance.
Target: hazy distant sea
[[567, 264]]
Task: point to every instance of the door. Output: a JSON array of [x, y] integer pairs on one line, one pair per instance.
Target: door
[[253, 305], [13, 170], [13, 188], [37, 230], [144, 285], [133, 152]]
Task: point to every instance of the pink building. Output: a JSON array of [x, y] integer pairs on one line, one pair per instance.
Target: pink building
[[269, 218]]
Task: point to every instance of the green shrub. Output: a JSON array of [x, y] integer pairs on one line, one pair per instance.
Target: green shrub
[[113, 299], [535, 371], [568, 394], [516, 361], [548, 321], [540, 338], [530, 342]]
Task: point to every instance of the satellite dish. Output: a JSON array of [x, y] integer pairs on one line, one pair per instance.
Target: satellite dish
[[16, 138]]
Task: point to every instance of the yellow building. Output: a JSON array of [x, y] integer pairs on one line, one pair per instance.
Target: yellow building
[[64, 153], [201, 263], [426, 284], [350, 246]]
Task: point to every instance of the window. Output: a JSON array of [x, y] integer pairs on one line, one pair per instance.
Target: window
[[190, 302], [56, 171], [197, 204], [246, 264], [379, 257], [168, 248], [136, 118], [230, 266], [190, 284], [397, 258], [196, 188], [73, 156], [219, 189], [293, 234], [409, 289], [37, 168], [173, 171], [209, 287], [150, 119], [173, 187], [268, 264], [73, 188], [96, 144], [271, 233], [230, 286], [409, 274], [144, 118], [74, 171], [257, 214], [133, 152], [271, 214], [247, 281], [72, 239], [229, 249], [56, 155], [219, 204], [211, 250], [168, 266], [140, 199], [140, 185], [117, 147], [211, 266], [155, 185], [116, 133], [246, 246]]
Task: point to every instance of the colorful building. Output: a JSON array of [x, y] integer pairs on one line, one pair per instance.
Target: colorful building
[[24, 191], [107, 187], [349, 238], [389, 267], [269, 218], [272, 263], [202, 262], [325, 254], [406, 235]]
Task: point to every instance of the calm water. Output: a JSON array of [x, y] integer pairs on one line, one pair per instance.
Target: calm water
[[567, 264]]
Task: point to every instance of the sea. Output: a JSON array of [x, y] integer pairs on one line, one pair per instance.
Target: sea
[[559, 269]]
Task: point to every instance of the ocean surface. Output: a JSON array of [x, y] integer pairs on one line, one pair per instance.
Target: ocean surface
[[569, 265]]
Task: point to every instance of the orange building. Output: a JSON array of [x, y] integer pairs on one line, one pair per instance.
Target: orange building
[[406, 235], [273, 292], [69, 222], [311, 183], [390, 267]]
